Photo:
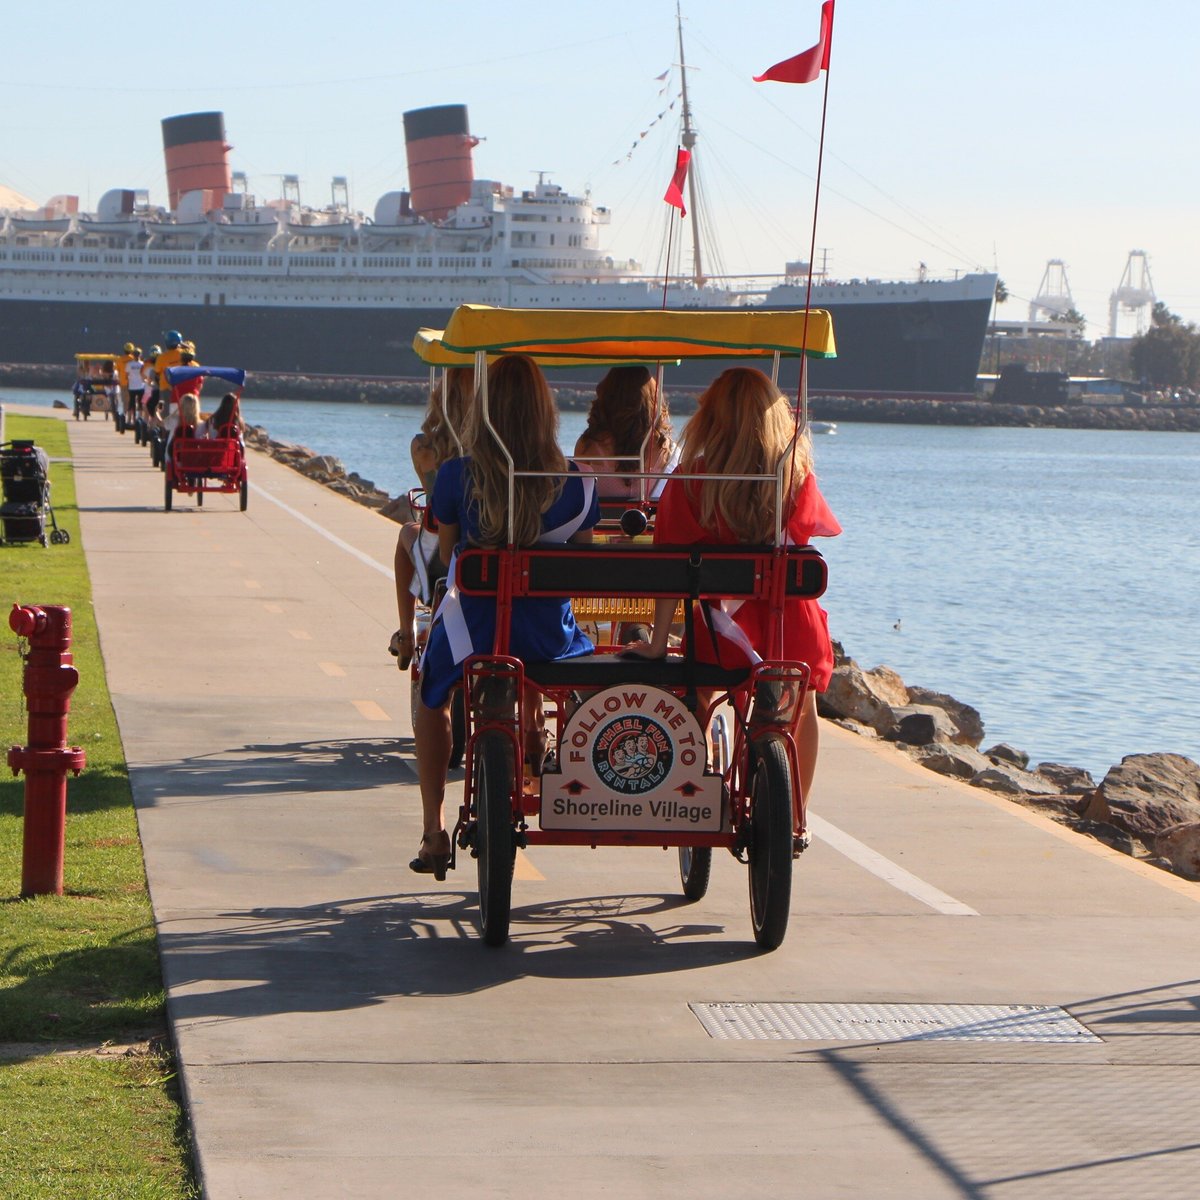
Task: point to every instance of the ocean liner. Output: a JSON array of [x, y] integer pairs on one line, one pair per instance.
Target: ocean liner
[[280, 286]]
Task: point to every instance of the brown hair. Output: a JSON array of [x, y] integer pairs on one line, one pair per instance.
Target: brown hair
[[226, 414], [442, 423], [522, 412], [625, 405], [744, 426]]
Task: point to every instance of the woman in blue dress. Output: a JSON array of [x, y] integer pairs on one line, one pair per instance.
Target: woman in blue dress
[[470, 502]]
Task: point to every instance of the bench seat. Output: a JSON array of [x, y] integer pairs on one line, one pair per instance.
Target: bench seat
[[595, 671]]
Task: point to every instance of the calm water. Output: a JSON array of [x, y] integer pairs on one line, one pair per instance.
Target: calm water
[[1049, 577]]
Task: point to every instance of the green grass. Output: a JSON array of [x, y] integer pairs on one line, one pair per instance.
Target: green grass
[[84, 965], [90, 1128]]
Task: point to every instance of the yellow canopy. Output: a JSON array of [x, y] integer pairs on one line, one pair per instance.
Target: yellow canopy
[[430, 348], [646, 335]]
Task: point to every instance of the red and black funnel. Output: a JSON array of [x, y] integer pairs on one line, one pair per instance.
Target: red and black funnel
[[439, 146], [196, 153]]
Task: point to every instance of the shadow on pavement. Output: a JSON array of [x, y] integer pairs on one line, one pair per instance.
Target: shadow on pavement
[[352, 764], [366, 951]]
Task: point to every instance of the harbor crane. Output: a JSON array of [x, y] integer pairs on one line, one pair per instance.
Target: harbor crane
[[1053, 300], [1134, 297]]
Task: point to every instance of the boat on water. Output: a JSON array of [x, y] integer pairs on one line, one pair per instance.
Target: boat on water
[[285, 287]]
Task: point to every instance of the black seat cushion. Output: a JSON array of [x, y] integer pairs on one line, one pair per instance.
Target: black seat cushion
[[608, 670]]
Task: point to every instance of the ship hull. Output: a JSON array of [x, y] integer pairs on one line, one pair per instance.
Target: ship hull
[[888, 348]]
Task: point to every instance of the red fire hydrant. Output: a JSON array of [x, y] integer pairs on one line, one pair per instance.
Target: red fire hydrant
[[50, 679]]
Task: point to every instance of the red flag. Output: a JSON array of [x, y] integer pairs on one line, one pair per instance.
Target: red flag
[[674, 193], [804, 68]]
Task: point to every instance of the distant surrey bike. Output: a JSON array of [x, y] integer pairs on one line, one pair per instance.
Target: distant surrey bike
[[196, 465]]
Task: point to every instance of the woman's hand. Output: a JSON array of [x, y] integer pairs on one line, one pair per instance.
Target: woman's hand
[[641, 649]]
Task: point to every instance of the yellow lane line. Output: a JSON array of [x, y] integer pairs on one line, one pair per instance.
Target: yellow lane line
[[301, 635], [370, 710], [273, 608], [252, 583], [331, 669], [524, 869]]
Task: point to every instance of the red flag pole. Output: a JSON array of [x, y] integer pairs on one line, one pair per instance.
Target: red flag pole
[[667, 268], [802, 394]]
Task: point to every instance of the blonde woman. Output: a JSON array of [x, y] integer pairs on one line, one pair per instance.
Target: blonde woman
[[470, 502], [417, 563], [625, 409], [744, 426]]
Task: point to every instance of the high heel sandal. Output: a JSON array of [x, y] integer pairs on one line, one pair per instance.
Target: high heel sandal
[[430, 862], [537, 751], [400, 639]]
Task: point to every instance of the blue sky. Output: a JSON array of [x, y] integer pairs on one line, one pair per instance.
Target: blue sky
[[961, 134]]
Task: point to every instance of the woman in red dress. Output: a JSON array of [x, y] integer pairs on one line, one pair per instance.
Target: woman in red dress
[[744, 426]]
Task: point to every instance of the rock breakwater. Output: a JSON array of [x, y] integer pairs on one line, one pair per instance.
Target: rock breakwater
[[1182, 418], [330, 471], [1146, 806]]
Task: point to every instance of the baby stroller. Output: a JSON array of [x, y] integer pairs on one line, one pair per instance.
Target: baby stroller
[[25, 478]]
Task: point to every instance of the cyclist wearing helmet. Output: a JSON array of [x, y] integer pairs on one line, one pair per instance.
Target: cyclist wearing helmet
[[150, 378], [122, 368], [173, 343], [134, 386], [182, 355]]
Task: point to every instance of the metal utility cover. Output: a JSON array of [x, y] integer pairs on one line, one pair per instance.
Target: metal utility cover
[[790, 1021]]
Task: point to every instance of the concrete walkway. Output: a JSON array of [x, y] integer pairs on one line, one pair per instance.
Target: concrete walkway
[[343, 1032]]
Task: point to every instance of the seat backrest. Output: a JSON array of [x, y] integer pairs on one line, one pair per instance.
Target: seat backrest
[[703, 572]]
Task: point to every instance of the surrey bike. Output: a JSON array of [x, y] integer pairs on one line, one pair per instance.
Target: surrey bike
[[196, 465], [635, 763]]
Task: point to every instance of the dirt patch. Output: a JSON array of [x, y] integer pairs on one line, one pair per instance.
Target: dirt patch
[[150, 1043]]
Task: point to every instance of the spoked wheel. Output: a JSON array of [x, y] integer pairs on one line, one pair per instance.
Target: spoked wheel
[[244, 498], [199, 497], [770, 850], [695, 867], [695, 862], [495, 846], [168, 492]]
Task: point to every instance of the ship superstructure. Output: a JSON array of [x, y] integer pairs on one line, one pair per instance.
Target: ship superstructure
[[284, 286]]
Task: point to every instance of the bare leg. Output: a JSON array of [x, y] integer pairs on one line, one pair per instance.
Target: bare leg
[[403, 566], [808, 737], [432, 729]]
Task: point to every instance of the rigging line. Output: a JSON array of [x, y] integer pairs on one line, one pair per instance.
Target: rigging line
[[907, 209], [802, 386], [309, 84], [623, 142], [753, 204], [943, 248]]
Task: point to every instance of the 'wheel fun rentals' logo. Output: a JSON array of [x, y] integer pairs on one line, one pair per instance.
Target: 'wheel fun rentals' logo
[[633, 754], [632, 758]]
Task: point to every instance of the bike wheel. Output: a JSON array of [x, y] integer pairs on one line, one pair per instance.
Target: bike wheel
[[695, 868], [495, 845], [695, 862], [770, 850], [244, 493], [169, 492]]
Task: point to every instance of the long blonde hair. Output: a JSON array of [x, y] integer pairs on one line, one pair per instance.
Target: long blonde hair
[[442, 422], [522, 412], [743, 426], [189, 411]]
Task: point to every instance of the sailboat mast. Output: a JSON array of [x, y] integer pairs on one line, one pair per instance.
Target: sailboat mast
[[688, 140]]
